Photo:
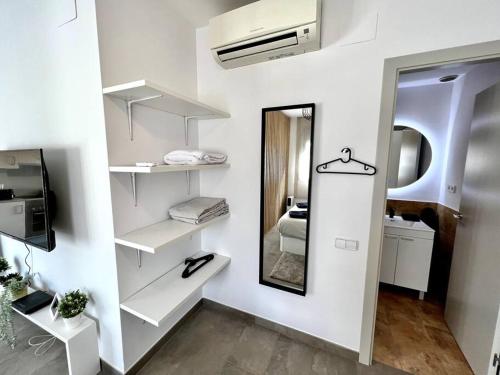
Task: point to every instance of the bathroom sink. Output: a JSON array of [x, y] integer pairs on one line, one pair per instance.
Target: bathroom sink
[[398, 221]]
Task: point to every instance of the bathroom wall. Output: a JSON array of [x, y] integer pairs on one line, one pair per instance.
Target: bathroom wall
[[345, 81], [426, 109]]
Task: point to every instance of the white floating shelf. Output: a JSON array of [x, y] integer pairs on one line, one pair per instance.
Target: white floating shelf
[[154, 96], [165, 168], [133, 169], [151, 95], [151, 238], [157, 301]]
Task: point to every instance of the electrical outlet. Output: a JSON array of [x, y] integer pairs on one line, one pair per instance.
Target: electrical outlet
[[452, 189]]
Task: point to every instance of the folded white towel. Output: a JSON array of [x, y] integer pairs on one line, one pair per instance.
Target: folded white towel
[[194, 157], [199, 210]]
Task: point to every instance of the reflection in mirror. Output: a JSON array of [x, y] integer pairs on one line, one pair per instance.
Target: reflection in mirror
[[287, 146], [410, 156]]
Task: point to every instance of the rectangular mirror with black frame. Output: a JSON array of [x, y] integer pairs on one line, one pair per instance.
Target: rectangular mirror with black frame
[[285, 197]]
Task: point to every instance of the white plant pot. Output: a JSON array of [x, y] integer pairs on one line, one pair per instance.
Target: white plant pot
[[74, 322]]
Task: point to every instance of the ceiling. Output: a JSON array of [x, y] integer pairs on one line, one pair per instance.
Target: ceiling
[[198, 12], [431, 76]]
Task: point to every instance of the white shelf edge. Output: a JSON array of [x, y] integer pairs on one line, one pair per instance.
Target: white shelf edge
[[165, 168], [169, 286], [117, 89], [183, 230]]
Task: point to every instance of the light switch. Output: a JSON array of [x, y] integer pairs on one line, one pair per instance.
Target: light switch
[[340, 243], [351, 245]]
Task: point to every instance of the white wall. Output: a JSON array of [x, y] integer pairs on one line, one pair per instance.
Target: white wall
[[146, 40], [345, 82], [50, 98], [426, 109]]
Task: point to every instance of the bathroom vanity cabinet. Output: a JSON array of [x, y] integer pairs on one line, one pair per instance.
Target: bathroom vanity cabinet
[[406, 254]]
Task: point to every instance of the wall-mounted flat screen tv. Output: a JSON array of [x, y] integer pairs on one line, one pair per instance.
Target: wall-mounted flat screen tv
[[26, 203]]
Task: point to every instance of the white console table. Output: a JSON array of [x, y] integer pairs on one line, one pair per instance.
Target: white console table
[[81, 342]]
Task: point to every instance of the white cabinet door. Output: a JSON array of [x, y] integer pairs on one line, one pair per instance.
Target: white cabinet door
[[389, 256], [413, 263]]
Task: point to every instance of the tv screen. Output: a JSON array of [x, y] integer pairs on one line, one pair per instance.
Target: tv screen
[[25, 202]]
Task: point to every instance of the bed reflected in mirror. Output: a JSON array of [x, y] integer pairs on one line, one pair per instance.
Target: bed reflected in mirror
[[286, 167]]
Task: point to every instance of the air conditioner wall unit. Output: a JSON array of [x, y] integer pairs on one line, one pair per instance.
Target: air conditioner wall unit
[[265, 30]]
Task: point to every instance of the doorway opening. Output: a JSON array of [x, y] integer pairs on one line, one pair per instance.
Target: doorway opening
[[439, 108]]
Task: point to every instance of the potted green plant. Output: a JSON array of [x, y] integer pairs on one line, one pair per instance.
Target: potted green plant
[[4, 265], [18, 287], [6, 321], [71, 307], [7, 334]]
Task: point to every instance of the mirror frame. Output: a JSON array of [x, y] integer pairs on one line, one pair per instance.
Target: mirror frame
[[262, 173]]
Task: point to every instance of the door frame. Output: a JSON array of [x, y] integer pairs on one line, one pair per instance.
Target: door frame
[[392, 68]]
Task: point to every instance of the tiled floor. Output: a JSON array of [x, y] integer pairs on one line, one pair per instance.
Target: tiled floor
[[412, 335], [22, 361], [210, 342], [214, 342]]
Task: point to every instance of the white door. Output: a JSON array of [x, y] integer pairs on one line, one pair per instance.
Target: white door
[[389, 256], [474, 288], [414, 263]]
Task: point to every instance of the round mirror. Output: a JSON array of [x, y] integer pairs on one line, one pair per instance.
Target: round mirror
[[410, 156]]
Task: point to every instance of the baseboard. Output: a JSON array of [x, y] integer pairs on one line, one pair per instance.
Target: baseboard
[[107, 369], [291, 333]]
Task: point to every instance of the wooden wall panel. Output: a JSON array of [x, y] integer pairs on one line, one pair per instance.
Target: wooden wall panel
[[444, 241], [276, 167]]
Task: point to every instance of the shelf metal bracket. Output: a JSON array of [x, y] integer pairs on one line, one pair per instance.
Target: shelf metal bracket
[[129, 112], [139, 258], [188, 181], [186, 127], [134, 190]]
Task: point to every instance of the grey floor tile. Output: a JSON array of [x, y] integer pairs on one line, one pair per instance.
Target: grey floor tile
[[230, 369], [22, 360], [201, 346], [254, 349], [291, 358], [330, 364]]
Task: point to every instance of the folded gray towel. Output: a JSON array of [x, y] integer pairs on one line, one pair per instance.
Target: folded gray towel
[[199, 210]]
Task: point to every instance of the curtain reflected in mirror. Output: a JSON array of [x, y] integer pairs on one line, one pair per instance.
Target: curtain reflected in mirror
[[287, 138]]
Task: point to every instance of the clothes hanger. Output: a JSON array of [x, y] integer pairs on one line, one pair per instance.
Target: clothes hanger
[[368, 170], [190, 262]]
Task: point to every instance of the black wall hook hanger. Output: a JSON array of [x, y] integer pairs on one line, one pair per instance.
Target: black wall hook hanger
[[346, 158]]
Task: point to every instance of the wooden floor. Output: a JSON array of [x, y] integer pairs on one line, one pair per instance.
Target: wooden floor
[[412, 335]]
